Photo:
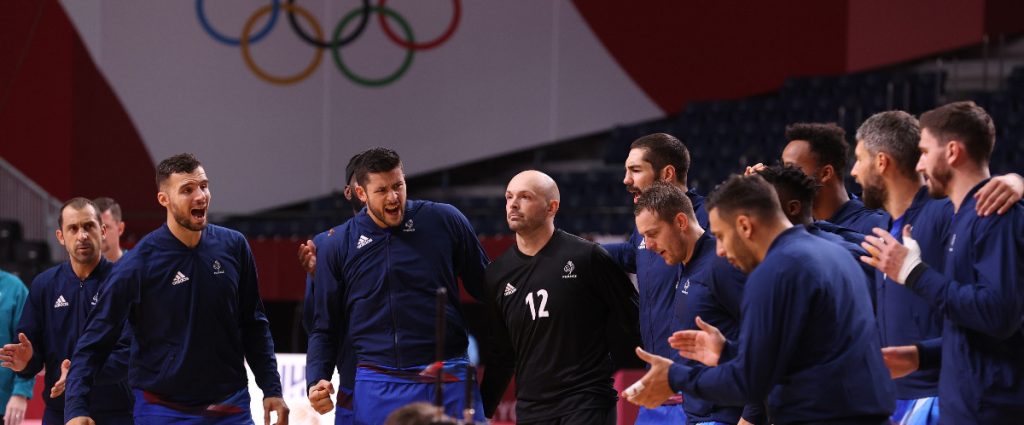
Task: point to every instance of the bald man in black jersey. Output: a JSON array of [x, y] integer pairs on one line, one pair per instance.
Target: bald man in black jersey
[[563, 311]]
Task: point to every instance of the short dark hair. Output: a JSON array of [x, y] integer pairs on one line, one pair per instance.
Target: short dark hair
[[894, 133], [791, 183], [666, 201], [747, 194], [350, 169], [965, 122], [375, 160], [104, 204], [180, 163], [827, 142], [662, 150], [77, 203]]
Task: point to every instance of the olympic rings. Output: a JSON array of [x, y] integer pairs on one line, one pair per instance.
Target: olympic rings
[[427, 45], [302, 75], [382, 11], [335, 43], [200, 12]]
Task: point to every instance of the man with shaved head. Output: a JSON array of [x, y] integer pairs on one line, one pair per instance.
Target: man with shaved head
[[562, 307]]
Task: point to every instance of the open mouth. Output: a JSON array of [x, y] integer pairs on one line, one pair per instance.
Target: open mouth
[[394, 210], [198, 213], [635, 192]]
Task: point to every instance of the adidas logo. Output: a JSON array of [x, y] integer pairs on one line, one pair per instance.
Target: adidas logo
[[643, 244], [179, 279], [61, 302], [509, 289], [363, 241]]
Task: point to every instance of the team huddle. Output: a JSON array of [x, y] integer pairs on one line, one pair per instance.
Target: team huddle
[[781, 298]]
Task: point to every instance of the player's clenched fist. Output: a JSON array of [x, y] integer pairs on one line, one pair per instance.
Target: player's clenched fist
[[320, 396]]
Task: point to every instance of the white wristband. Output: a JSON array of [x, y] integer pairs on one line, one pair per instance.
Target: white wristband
[[912, 260]]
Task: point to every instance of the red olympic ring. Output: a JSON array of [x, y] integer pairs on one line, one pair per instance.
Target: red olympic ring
[[426, 45]]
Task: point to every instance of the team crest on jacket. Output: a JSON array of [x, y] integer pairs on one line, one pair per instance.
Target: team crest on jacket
[[217, 268], [95, 299], [568, 269], [408, 226]]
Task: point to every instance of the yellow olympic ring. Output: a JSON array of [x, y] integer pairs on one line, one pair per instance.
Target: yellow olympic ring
[[273, 79]]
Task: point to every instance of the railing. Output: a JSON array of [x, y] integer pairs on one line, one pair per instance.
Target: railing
[[23, 200]]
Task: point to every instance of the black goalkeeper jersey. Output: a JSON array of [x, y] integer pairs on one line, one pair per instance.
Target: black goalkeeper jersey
[[560, 318]]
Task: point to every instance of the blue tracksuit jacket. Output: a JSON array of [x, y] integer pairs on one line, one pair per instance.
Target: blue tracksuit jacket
[[196, 317], [981, 296], [55, 315], [807, 325], [383, 282]]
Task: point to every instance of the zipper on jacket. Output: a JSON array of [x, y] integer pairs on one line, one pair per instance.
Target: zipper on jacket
[[391, 299]]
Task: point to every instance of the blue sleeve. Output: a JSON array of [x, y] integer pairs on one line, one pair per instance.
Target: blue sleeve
[[623, 254], [613, 286], [328, 313], [767, 342], [256, 338], [470, 258], [33, 325], [929, 354], [726, 285], [115, 369], [22, 384], [994, 304], [118, 295]]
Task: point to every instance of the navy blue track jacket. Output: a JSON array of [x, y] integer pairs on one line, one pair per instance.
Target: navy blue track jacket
[[904, 318], [54, 317], [694, 298], [981, 296], [196, 317], [855, 250], [346, 361], [855, 216], [656, 282], [808, 340], [383, 282]]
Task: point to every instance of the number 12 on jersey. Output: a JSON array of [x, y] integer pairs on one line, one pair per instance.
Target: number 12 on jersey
[[542, 311]]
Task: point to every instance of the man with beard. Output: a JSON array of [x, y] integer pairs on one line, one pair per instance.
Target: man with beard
[[110, 212], [979, 292], [320, 398], [57, 310], [376, 280], [806, 323], [705, 287], [190, 294], [561, 307], [656, 157]]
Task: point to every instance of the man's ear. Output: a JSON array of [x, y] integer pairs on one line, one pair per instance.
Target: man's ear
[[827, 174], [682, 221], [361, 194], [793, 208], [744, 226], [162, 198]]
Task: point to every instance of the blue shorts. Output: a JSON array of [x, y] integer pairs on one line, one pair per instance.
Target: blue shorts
[[380, 391], [233, 410], [343, 414], [671, 414], [922, 411]]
